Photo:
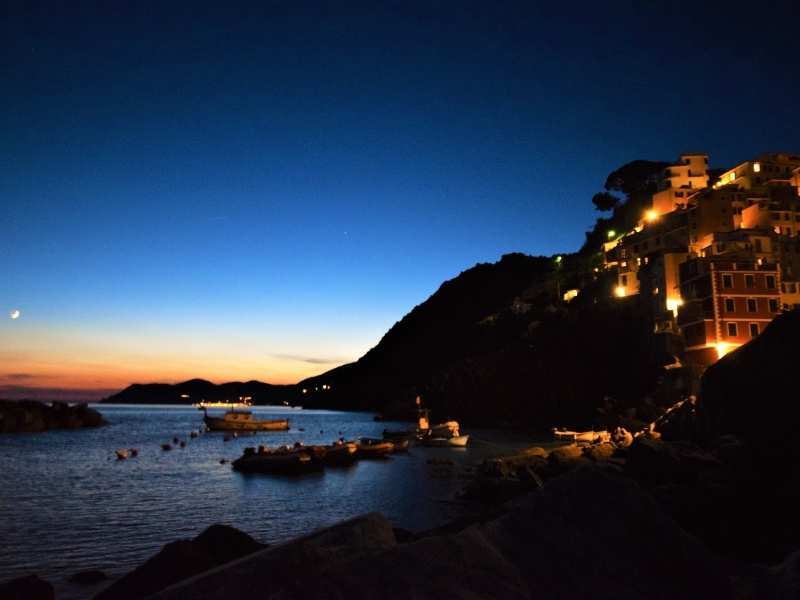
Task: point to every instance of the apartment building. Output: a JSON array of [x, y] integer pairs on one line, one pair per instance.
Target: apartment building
[[726, 301]]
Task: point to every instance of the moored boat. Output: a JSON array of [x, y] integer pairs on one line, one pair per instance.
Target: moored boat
[[340, 454], [456, 441], [374, 448], [580, 436], [243, 420], [292, 462]]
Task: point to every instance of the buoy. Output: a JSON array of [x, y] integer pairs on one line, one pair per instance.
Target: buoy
[[183, 444], [175, 440], [134, 452]]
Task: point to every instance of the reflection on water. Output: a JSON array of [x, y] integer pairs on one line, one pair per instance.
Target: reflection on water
[[67, 504]]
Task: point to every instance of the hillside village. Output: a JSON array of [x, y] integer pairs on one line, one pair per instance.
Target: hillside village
[[713, 258]]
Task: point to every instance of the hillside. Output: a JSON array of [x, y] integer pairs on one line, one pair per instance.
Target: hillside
[[200, 389], [496, 346]]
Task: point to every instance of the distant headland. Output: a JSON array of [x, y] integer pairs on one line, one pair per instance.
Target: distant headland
[[196, 390]]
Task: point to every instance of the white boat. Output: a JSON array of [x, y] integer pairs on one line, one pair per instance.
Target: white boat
[[457, 441], [580, 436]]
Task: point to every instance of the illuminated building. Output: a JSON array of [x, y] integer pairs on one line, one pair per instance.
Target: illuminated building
[[777, 169], [727, 301]]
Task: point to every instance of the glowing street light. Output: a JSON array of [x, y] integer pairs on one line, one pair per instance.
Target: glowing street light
[[558, 259], [611, 233], [619, 291], [651, 215]]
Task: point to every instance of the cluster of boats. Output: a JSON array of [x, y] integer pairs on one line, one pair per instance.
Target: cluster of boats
[[298, 459]]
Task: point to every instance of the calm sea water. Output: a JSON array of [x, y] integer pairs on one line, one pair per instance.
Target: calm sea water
[[66, 503]]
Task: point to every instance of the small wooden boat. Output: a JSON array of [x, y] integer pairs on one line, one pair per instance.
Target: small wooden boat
[[243, 420], [121, 454], [580, 436], [456, 441], [374, 448], [340, 454], [280, 463]]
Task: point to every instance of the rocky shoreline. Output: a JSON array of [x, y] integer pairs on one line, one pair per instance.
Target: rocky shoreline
[[701, 504], [29, 416]]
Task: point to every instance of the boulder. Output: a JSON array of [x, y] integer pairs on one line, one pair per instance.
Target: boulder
[[599, 452], [784, 579], [179, 560], [89, 577], [655, 461], [586, 534], [750, 392], [264, 573], [30, 587]]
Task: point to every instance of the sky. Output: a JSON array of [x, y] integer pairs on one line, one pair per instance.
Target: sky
[[242, 191]]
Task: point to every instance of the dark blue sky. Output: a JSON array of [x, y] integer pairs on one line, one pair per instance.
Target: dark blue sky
[[286, 181]]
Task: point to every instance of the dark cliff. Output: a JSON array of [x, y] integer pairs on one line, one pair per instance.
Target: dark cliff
[[496, 346]]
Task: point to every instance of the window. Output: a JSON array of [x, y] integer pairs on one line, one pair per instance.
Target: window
[[773, 305], [732, 330], [753, 329], [730, 305], [749, 281], [727, 281], [792, 288], [757, 167], [752, 305], [770, 282], [758, 244], [625, 280]]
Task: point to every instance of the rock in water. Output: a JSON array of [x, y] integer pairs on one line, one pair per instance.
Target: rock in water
[[30, 587], [182, 559]]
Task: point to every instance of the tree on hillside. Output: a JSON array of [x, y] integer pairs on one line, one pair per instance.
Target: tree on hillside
[[604, 201]]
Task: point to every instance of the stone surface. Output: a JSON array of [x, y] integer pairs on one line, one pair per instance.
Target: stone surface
[[265, 573], [30, 587], [586, 534], [89, 577], [179, 560]]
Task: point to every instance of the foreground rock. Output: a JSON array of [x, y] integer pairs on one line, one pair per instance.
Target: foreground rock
[[585, 534], [30, 587], [31, 417], [217, 545]]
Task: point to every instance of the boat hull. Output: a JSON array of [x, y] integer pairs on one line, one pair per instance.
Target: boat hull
[[222, 424], [294, 463], [459, 441]]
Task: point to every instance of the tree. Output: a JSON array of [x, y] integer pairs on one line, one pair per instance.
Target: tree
[[604, 201]]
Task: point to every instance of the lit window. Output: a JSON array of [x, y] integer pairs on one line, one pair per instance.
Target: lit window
[[757, 167]]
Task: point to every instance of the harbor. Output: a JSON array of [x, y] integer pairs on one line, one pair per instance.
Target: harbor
[[153, 498]]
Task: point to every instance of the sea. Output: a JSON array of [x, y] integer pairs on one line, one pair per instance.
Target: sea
[[67, 504]]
